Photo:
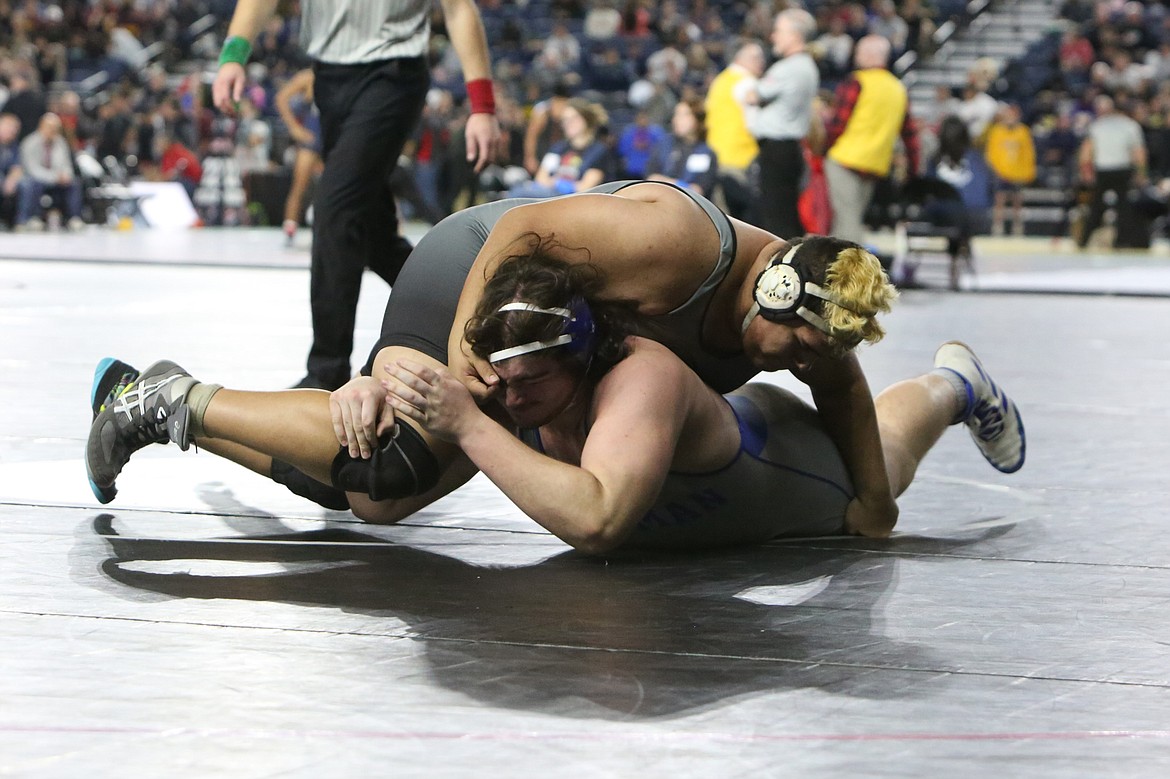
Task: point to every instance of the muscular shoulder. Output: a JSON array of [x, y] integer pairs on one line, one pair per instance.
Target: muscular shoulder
[[653, 243], [649, 371], [649, 355]]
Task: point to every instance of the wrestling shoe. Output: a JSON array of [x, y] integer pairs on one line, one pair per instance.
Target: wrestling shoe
[[109, 379], [151, 409], [990, 415]]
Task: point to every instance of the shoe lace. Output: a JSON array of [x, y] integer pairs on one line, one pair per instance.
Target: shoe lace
[[150, 432], [989, 414], [146, 424]]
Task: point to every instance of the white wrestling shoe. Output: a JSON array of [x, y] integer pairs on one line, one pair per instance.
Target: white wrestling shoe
[[991, 416]]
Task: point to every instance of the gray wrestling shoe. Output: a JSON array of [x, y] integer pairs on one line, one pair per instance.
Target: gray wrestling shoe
[[150, 409], [991, 416]]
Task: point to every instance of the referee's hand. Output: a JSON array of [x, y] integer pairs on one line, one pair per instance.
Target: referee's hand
[[228, 88], [483, 135]]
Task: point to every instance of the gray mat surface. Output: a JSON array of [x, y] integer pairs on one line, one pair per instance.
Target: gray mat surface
[[207, 623]]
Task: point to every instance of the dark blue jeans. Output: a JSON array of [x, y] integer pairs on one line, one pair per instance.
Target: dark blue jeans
[[30, 192]]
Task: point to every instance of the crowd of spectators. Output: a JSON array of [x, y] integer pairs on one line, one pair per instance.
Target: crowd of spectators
[[128, 82], [1096, 85]]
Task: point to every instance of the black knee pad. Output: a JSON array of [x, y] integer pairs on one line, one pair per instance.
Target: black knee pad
[[300, 483], [403, 465]]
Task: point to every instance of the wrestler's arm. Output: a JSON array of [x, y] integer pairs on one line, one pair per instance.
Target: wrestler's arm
[[1085, 161], [620, 234], [301, 83], [627, 454], [536, 124], [843, 400]]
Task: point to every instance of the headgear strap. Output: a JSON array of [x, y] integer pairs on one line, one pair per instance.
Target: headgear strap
[[782, 290], [537, 346]]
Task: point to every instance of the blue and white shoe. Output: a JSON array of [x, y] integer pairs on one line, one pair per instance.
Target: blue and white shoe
[[991, 416], [134, 410]]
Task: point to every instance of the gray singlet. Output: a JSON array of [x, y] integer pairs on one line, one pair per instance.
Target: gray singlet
[[421, 309]]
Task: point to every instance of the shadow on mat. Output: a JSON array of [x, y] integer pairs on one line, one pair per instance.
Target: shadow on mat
[[638, 636]]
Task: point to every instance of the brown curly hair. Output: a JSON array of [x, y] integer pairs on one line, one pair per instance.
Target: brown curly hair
[[532, 275]]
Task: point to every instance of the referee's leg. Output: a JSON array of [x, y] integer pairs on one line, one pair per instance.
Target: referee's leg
[[355, 223]]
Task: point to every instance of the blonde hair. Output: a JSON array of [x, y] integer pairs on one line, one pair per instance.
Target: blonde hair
[[857, 278]]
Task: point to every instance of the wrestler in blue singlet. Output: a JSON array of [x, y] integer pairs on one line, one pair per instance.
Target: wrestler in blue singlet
[[786, 481], [306, 113]]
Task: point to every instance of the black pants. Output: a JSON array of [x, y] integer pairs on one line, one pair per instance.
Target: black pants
[[367, 113], [781, 171], [1117, 181]]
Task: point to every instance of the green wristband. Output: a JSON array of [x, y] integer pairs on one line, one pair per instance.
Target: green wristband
[[235, 49]]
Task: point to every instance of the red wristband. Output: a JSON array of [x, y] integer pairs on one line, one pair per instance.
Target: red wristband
[[481, 96]]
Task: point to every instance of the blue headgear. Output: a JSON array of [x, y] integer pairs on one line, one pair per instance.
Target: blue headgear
[[782, 291], [578, 334]]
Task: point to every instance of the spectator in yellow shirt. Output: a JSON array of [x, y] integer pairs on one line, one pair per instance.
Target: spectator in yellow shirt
[[728, 114], [1011, 154]]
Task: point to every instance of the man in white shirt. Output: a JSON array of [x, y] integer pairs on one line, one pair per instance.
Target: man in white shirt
[[48, 170], [785, 98], [1113, 158]]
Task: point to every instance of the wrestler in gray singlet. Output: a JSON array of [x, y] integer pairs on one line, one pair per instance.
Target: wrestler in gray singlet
[[421, 309], [786, 481]]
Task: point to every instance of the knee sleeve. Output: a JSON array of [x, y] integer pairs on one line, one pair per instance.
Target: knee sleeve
[[300, 483], [403, 465]]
